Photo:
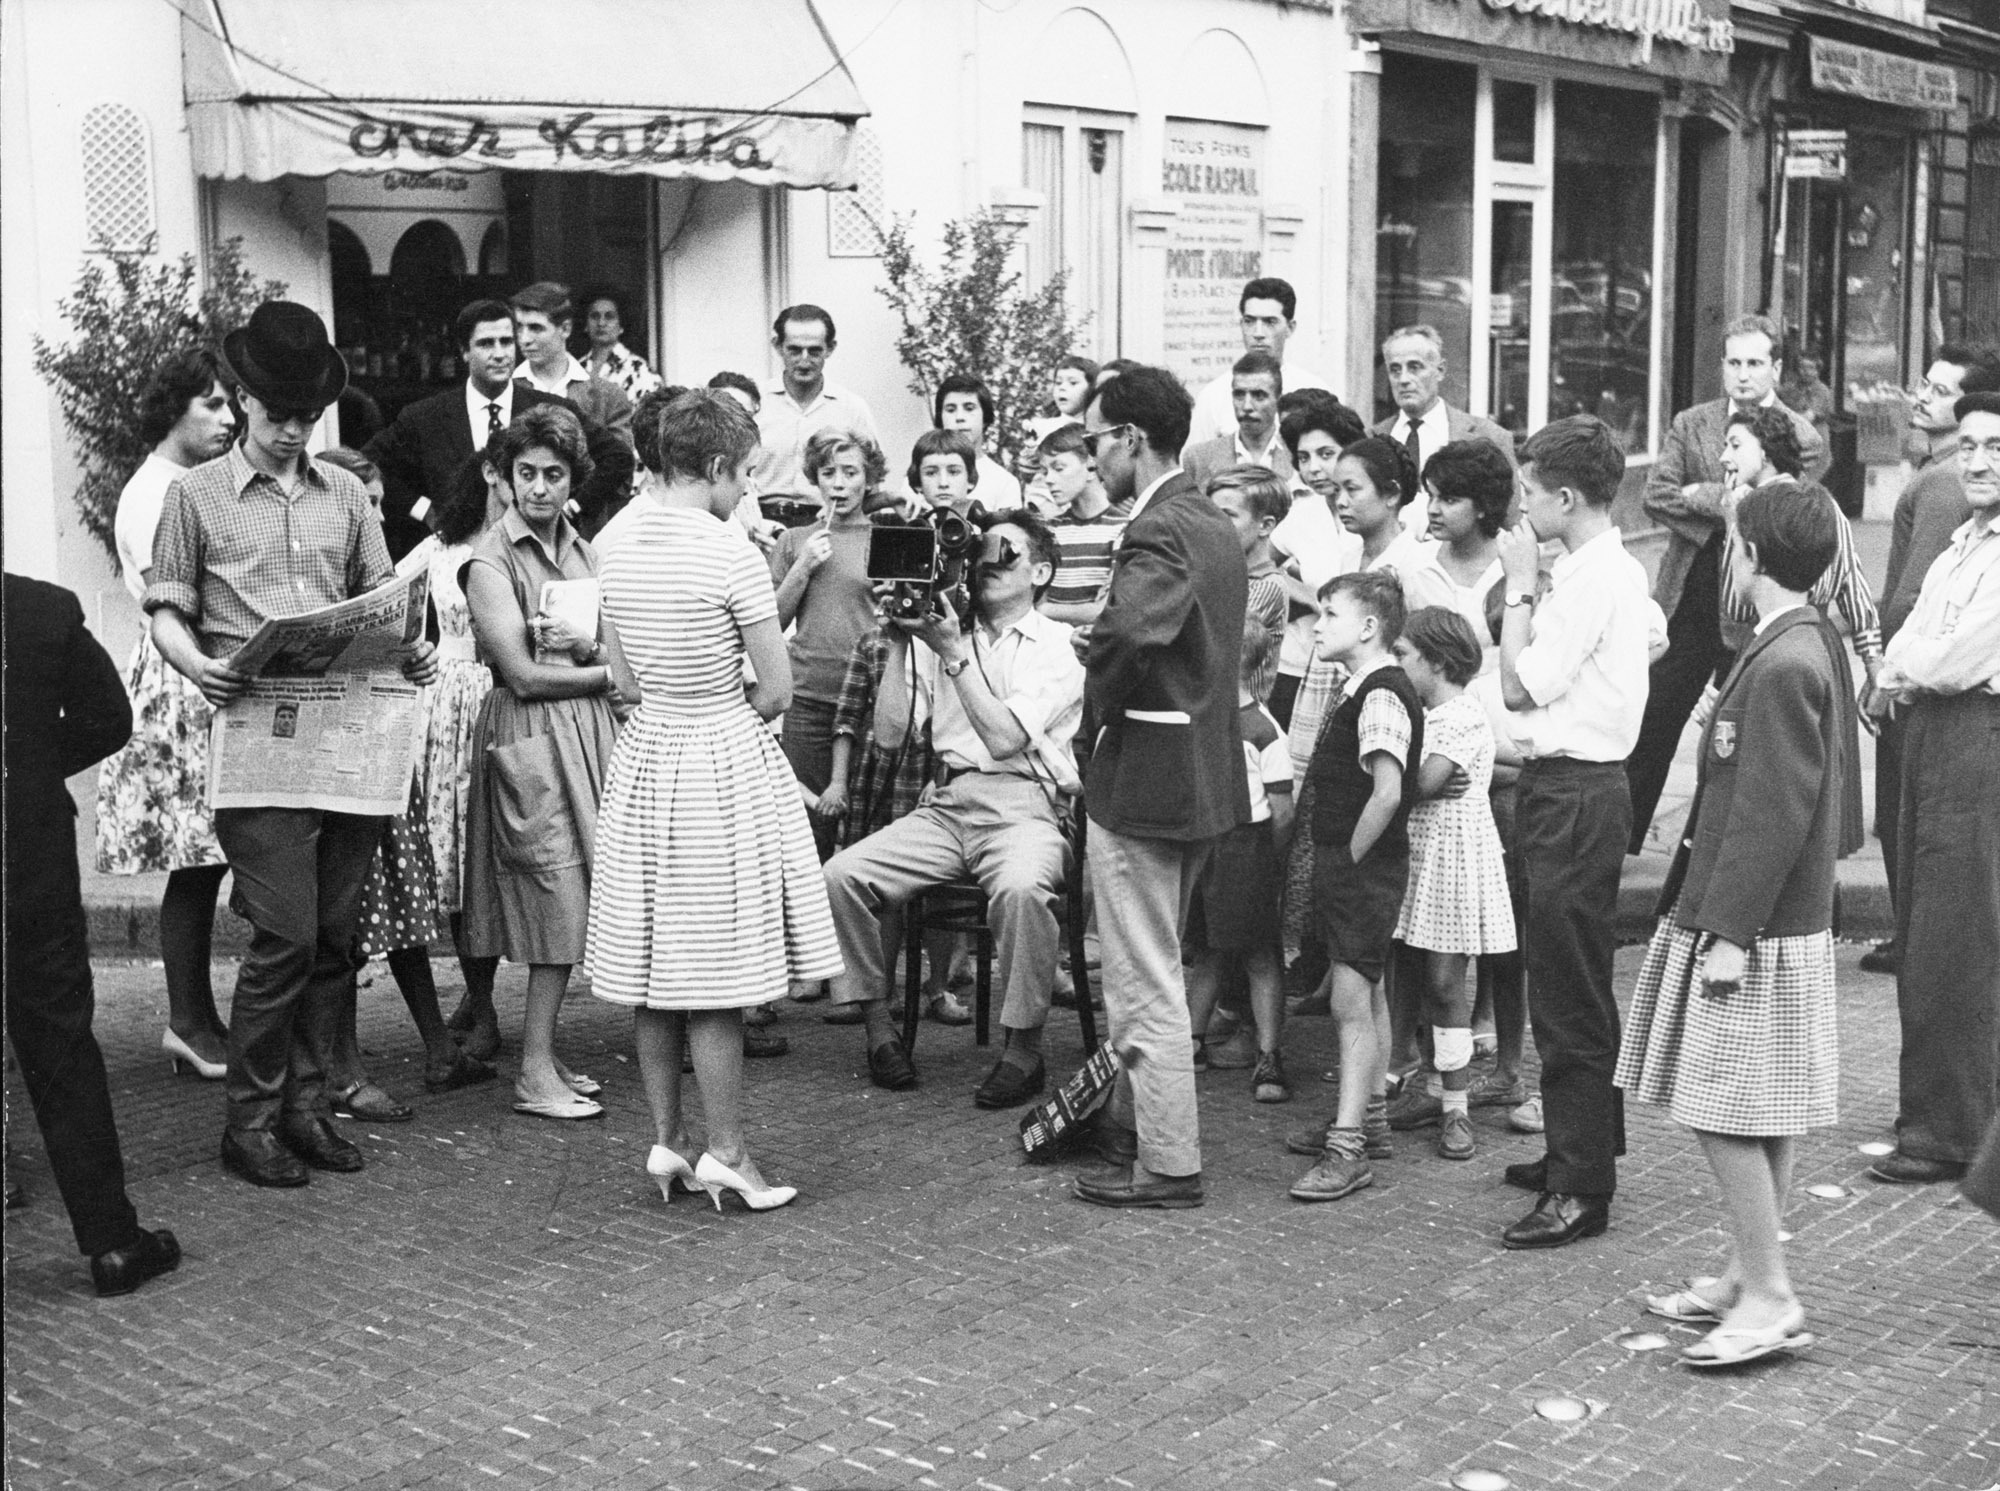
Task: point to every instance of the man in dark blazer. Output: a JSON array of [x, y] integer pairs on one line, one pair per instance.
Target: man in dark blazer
[[1424, 424], [1166, 776], [66, 711], [428, 444], [1686, 496]]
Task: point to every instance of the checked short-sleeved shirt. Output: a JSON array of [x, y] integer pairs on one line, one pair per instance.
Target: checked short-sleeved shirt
[[233, 550]]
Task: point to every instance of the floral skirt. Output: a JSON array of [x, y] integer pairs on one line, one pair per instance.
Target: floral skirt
[[152, 797], [445, 776]]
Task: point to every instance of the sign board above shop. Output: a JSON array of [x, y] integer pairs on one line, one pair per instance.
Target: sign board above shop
[[1686, 39], [1883, 77], [1816, 155]]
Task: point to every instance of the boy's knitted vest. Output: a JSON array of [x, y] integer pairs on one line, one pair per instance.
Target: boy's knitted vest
[[1341, 788]]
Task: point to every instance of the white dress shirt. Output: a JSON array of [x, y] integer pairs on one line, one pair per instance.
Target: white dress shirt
[[1215, 405], [1585, 663], [1433, 435], [998, 489], [1032, 669], [1951, 643], [575, 372], [784, 427], [138, 514], [476, 415]]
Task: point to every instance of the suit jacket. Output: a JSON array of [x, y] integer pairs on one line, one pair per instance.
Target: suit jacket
[[1692, 453], [428, 444], [1167, 649], [1204, 462], [66, 711], [1461, 425], [1757, 857]]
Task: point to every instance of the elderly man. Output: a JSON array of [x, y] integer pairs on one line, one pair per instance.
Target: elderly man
[[800, 402], [1256, 383], [1267, 312], [1166, 775], [1003, 699], [262, 531], [1944, 668], [1424, 424], [1686, 494]]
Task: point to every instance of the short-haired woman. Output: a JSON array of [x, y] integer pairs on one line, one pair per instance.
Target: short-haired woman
[[544, 740]]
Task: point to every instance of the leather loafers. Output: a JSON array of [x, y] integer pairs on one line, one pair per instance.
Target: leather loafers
[[1529, 1175], [318, 1143], [121, 1270], [889, 1067], [1008, 1085], [1558, 1219], [1119, 1189], [1901, 1169], [257, 1156]]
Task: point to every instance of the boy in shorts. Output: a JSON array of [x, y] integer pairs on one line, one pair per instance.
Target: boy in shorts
[[1233, 916], [1363, 783]]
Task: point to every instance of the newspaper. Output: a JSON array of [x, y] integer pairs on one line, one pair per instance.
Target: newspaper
[[328, 721]]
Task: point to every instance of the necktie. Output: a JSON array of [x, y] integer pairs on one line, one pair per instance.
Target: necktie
[[493, 418], [1410, 445]]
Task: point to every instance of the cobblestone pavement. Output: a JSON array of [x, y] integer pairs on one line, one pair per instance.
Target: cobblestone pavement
[[503, 1301]]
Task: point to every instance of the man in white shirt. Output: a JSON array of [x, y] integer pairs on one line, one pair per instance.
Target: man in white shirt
[[964, 403], [799, 403], [1267, 311], [1256, 383], [1943, 668], [1003, 700], [1424, 424], [1573, 670]]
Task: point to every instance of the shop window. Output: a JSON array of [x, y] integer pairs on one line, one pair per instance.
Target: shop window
[[854, 220], [1424, 223], [117, 179], [493, 252], [1982, 240], [1601, 285], [1872, 265], [1075, 160]]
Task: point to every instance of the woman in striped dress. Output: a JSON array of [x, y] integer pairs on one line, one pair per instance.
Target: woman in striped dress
[[708, 898]]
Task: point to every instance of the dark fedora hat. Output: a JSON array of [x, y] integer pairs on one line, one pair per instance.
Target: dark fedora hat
[[284, 357]]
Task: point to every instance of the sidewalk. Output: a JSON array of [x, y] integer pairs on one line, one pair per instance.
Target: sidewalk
[[500, 1301]]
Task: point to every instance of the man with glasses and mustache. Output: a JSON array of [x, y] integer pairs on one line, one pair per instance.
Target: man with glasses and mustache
[[265, 530]]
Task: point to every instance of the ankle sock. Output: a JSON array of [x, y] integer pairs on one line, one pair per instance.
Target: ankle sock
[[1457, 1102]]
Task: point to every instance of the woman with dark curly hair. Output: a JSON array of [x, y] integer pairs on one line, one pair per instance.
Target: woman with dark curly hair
[[1469, 491], [543, 741]]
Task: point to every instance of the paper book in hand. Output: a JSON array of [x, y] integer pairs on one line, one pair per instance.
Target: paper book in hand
[[573, 601]]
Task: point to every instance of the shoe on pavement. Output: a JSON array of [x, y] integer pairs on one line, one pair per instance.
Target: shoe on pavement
[[948, 1009], [1455, 1137], [319, 1144], [1008, 1085], [1119, 1189], [889, 1067], [1558, 1220], [1488, 1091], [258, 1157], [1901, 1169], [1883, 957], [121, 1270], [1237, 1054], [757, 1043], [1529, 1175], [1413, 1108], [1342, 1169], [1267, 1081], [1527, 1119]]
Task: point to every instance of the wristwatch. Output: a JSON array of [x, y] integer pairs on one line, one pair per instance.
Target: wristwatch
[[952, 670], [1520, 598]]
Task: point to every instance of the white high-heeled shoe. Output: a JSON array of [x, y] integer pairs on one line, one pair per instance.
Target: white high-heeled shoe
[[179, 1051], [716, 1177], [671, 1171]]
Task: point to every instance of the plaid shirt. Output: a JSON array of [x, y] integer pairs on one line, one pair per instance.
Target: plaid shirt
[[882, 785], [233, 550]]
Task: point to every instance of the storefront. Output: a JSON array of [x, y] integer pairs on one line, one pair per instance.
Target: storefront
[[1523, 191]]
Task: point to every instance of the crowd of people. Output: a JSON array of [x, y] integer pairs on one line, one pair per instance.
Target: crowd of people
[[1377, 712]]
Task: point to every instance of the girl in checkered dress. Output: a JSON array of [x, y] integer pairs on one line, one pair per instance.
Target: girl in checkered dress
[[1732, 1024]]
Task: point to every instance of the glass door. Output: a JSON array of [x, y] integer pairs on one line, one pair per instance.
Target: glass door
[[1512, 315]]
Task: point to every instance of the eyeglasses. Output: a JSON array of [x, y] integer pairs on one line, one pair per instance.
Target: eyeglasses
[[1091, 437], [280, 414]]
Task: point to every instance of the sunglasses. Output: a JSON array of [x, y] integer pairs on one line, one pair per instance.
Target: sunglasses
[[284, 414], [1092, 437]]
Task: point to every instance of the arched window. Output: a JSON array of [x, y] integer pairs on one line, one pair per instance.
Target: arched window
[[117, 179]]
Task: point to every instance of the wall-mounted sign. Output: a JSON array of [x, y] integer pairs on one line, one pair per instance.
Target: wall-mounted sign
[[1686, 39], [1214, 175], [1816, 155], [1884, 77], [1909, 12]]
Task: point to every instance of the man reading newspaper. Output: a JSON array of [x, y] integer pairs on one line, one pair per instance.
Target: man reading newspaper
[[266, 531]]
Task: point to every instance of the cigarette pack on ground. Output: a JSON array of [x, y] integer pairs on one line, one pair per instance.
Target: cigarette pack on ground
[[1046, 1126]]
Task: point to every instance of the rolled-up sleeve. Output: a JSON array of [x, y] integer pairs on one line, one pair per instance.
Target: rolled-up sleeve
[[177, 557]]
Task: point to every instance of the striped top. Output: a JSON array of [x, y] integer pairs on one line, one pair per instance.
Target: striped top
[[1083, 558], [680, 588], [1843, 588]]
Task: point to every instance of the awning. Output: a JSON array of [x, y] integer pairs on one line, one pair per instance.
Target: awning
[[717, 90]]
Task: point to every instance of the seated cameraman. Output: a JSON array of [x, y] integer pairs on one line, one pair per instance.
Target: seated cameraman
[[1003, 701]]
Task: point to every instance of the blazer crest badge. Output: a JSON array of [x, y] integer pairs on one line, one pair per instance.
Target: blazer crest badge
[[1725, 739]]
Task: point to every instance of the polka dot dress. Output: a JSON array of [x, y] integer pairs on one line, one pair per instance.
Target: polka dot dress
[[399, 906]]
